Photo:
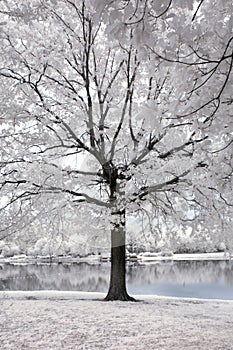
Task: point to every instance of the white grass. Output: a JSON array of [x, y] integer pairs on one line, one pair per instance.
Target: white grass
[[82, 321]]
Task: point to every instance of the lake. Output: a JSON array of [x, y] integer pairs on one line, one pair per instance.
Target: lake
[[199, 279]]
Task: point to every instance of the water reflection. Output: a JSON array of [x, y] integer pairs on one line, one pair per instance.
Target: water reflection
[[200, 279], [204, 279], [82, 277]]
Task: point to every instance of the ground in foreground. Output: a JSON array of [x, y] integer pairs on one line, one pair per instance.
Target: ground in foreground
[[81, 321]]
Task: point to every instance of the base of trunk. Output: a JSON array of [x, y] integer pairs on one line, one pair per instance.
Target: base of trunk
[[122, 296]]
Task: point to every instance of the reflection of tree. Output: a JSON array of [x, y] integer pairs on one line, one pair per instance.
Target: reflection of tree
[[54, 277], [228, 274], [182, 272]]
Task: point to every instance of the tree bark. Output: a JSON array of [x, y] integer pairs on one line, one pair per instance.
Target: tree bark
[[117, 289]]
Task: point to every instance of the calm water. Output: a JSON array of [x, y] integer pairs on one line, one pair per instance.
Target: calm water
[[201, 279]]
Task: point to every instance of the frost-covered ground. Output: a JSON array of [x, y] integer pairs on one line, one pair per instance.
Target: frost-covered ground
[[81, 321]]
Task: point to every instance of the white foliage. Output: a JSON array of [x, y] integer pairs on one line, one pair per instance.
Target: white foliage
[[147, 100]]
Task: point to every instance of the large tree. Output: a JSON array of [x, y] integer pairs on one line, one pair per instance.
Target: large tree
[[140, 90]]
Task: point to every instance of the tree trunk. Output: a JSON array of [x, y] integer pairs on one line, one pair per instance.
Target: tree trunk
[[117, 288]]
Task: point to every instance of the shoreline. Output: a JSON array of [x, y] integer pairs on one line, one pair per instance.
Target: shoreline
[[55, 295], [96, 259]]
